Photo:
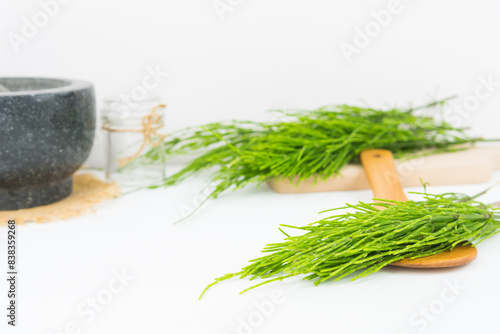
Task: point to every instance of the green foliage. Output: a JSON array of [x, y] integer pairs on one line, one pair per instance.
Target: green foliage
[[367, 239], [315, 143]]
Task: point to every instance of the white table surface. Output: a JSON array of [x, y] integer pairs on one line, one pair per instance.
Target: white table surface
[[64, 265]]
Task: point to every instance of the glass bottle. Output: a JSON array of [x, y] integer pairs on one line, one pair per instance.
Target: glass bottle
[[133, 129]]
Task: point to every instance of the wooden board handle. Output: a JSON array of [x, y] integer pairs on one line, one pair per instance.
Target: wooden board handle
[[382, 175]]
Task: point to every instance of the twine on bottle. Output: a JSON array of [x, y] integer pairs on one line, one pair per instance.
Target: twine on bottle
[[151, 123]]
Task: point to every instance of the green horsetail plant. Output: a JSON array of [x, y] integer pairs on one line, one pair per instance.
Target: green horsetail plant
[[316, 143], [367, 239]]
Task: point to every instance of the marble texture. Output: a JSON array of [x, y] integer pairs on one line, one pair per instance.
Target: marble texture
[[46, 133]]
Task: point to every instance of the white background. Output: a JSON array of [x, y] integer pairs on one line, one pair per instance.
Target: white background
[[63, 264], [262, 55]]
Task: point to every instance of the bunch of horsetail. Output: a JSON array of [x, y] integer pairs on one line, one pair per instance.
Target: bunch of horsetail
[[315, 143], [367, 238]]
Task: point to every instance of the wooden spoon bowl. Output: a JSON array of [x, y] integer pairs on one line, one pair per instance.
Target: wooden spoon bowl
[[384, 181]]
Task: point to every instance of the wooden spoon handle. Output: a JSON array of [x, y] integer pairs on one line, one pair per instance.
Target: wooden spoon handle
[[382, 174]]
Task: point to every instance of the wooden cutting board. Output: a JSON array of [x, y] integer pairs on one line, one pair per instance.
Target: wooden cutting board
[[475, 165]]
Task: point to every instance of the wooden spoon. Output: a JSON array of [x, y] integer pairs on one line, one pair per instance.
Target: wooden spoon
[[384, 181]]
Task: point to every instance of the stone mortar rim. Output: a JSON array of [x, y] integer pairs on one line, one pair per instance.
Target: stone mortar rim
[[73, 85]]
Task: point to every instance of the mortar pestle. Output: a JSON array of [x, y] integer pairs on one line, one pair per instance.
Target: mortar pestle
[[46, 133]]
